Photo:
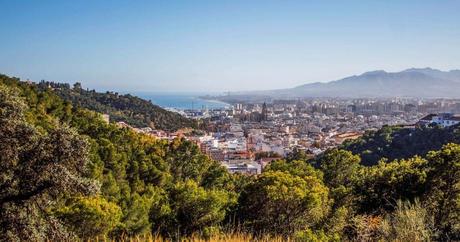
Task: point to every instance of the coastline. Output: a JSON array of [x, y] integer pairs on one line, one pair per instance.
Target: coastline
[[214, 100], [184, 101]]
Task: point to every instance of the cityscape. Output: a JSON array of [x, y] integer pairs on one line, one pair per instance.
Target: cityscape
[[247, 136], [230, 121]]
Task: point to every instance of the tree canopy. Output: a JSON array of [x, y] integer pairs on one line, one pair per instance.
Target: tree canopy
[[66, 174]]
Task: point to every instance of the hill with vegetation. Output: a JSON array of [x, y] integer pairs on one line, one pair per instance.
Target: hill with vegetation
[[65, 174], [394, 142], [133, 110]]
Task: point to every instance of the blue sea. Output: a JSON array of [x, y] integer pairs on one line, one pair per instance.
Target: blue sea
[[182, 101]]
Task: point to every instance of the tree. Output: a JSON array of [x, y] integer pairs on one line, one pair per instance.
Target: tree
[[295, 167], [444, 190], [340, 170], [392, 142], [90, 217], [380, 187], [35, 170], [77, 86], [190, 209], [280, 203], [187, 162], [136, 217], [339, 167]]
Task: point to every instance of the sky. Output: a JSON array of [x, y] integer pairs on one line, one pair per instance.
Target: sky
[[218, 46]]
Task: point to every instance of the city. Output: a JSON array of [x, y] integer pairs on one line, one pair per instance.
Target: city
[[246, 137], [230, 121]]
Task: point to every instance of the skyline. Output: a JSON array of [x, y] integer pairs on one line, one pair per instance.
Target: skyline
[[223, 46]]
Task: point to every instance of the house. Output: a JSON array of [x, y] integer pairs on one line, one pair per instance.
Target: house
[[442, 119], [263, 162], [243, 168]]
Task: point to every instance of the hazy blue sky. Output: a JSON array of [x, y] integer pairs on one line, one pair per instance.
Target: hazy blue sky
[[222, 45]]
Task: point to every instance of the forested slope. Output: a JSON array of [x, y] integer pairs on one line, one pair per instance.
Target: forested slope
[[131, 176], [130, 109], [393, 142], [65, 174]]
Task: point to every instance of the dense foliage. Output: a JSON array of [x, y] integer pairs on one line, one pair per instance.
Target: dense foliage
[[298, 200], [36, 170], [131, 176], [67, 174], [393, 142], [127, 108]]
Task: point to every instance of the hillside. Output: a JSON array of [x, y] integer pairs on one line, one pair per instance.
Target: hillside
[[90, 178], [66, 175], [401, 143], [127, 108]]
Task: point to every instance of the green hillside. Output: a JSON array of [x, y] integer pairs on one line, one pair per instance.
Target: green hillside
[[109, 180], [393, 142], [127, 108], [65, 174]]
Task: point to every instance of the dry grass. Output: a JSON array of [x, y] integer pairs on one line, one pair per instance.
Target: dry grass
[[236, 237]]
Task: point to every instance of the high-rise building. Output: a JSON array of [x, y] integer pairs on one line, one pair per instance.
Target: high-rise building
[[264, 112]]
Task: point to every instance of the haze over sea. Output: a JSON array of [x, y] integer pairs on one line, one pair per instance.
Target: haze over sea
[[181, 100]]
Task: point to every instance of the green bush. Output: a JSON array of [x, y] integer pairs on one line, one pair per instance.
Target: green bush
[[90, 217]]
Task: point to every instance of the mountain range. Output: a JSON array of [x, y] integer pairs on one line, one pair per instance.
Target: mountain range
[[414, 82]]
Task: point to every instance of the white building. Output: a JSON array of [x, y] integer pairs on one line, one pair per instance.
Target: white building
[[442, 119], [244, 168]]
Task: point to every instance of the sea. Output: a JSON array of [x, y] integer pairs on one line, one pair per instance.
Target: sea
[[182, 101]]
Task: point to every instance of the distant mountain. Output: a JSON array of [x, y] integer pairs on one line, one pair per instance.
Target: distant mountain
[[411, 83], [424, 82], [453, 75]]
